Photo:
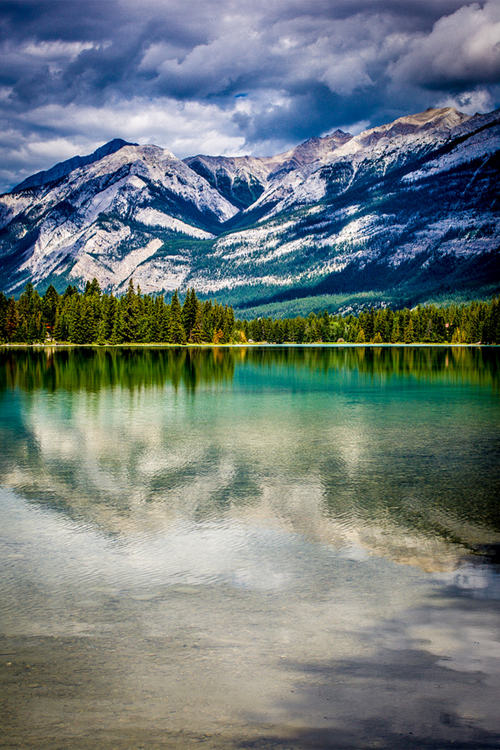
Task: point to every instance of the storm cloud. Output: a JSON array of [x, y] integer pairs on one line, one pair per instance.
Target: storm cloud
[[223, 77]]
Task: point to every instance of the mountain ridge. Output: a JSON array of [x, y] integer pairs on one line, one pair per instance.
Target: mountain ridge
[[385, 210], [63, 168]]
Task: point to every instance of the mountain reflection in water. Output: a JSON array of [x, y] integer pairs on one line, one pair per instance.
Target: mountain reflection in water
[[265, 547]]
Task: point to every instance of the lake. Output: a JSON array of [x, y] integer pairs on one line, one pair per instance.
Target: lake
[[270, 547]]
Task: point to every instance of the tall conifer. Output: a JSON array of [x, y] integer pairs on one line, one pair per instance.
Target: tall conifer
[[177, 334], [196, 336]]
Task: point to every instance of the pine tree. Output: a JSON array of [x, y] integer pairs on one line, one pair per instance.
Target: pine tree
[[71, 308], [164, 321], [11, 321], [380, 326], [176, 333], [495, 322], [207, 324], [189, 310], [146, 320], [82, 322], [108, 311], [396, 333], [92, 287], [50, 302], [61, 326], [312, 331], [27, 327], [101, 334], [197, 330], [325, 327], [130, 307], [408, 333], [3, 317], [227, 324], [118, 334], [389, 319]]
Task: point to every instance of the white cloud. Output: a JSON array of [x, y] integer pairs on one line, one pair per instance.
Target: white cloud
[[185, 130], [464, 46], [56, 49], [345, 75], [469, 102], [164, 122]]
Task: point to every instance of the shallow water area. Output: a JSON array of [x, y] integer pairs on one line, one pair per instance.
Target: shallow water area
[[263, 547]]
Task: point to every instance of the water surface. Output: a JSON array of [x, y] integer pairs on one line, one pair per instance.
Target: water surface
[[272, 547]]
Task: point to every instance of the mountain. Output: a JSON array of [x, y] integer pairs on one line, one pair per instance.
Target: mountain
[[242, 180], [403, 212], [65, 167]]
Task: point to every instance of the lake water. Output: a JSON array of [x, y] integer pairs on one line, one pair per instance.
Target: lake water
[[250, 548]]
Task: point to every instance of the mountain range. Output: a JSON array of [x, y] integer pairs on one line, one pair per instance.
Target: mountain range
[[401, 213]]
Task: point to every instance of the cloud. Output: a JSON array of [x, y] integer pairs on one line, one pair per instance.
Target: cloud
[[462, 49], [470, 102], [52, 133], [75, 73]]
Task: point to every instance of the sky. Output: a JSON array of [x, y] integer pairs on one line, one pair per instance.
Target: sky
[[230, 77]]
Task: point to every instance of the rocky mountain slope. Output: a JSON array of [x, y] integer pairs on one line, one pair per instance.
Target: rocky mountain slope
[[407, 210]]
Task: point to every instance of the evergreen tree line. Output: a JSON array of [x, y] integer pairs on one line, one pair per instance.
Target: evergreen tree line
[[476, 322], [93, 317]]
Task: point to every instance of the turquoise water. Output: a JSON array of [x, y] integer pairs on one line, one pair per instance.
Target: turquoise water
[[271, 547]]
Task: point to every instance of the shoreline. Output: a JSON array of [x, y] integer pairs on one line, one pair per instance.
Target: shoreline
[[264, 344]]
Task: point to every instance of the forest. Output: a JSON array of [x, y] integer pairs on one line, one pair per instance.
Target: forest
[[92, 317]]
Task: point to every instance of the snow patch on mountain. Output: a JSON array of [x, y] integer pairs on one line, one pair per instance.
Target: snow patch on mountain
[[479, 146], [11, 205], [153, 218], [291, 190]]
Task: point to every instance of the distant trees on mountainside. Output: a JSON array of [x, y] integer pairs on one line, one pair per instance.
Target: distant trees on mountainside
[[92, 317], [455, 324]]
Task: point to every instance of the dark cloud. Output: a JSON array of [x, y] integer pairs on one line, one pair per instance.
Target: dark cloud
[[74, 73]]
